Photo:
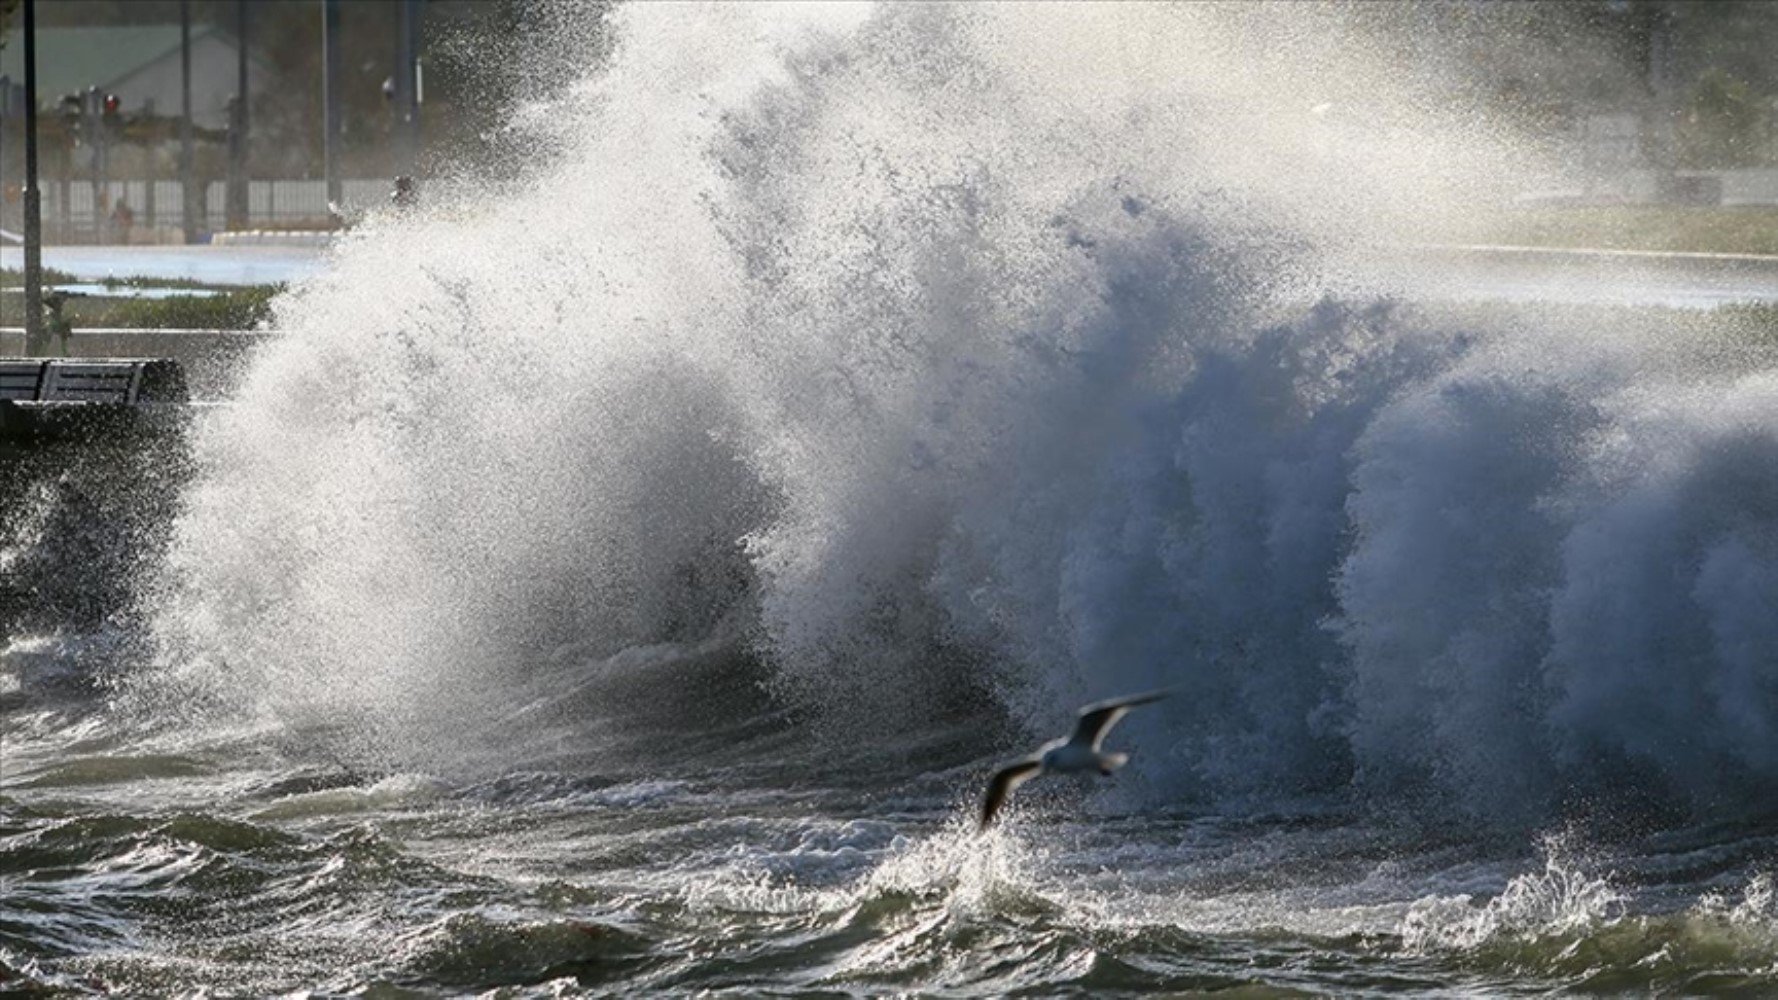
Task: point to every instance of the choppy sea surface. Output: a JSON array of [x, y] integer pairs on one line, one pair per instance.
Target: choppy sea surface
[[621, 574], [748, 856]]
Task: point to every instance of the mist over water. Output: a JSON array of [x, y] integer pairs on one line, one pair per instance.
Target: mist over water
[[921, 350]]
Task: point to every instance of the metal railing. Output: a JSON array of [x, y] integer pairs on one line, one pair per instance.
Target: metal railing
[[81, 212]]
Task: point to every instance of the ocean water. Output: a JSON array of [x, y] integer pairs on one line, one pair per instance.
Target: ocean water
[[621, 575]]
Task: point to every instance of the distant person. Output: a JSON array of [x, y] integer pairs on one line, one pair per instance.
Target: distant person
[[56, 325], [123, 219], [405, 194]]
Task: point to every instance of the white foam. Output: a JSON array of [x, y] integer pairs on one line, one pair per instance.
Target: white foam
[[980, 329]]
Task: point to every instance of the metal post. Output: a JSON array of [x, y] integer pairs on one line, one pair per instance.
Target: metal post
[[412, 26], [154, 172], [330, 99], [237, 165], [187, 161], [65, 190], [5, 120], [407, 98], [35, 340], [92, 129]]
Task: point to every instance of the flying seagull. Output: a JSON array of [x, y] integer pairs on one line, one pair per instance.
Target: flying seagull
[[1077, 754]]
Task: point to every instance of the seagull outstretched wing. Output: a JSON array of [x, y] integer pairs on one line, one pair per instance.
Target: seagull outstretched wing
[[1000, 787], [1097, 719]]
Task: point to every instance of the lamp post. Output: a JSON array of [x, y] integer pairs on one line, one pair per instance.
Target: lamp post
[[407, 86], [187, 159], [238, 204], [330, 99], [35, 341]]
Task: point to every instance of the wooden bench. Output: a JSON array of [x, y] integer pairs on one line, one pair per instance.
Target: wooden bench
[[123, 382], [21, 379], [46, 400]]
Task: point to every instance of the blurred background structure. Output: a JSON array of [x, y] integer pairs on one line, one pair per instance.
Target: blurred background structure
[[1637, 101], [111, 101], [1640, 100]]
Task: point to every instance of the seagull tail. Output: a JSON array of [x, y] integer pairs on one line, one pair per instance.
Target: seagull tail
[[1109, 762]]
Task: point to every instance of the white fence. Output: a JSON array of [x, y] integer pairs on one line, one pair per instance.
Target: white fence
[[156, 204]]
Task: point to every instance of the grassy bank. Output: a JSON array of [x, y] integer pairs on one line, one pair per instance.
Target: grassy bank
[[1725, 331], [1757, 323], [231, 309], [1665, 228], [210, 307]]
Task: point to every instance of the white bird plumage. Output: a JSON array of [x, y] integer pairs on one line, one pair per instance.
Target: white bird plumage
[[1077, 753]]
